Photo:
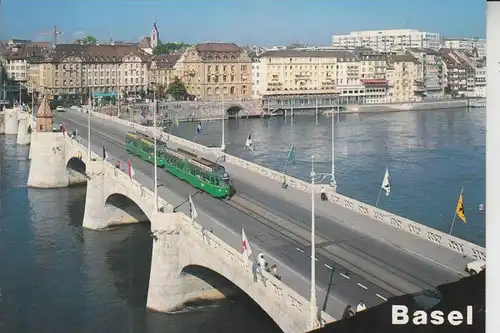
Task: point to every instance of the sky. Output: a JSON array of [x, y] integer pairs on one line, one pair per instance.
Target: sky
[[245, 22]]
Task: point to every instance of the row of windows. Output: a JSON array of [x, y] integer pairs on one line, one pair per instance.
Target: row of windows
[[243, 68], [96, 81], [99, 66]]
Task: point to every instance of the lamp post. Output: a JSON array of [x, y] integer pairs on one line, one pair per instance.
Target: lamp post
[[223, 141], [91, 109], [333, 182], [154, 151], [315, 177]]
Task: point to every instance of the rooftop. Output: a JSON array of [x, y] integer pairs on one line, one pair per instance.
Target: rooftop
[[308, 54], [217, 47], [97, 53]]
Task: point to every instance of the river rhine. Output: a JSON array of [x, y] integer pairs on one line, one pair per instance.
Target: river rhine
[[56, 277]]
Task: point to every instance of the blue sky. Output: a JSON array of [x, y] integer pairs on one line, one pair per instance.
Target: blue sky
[[263, 22]]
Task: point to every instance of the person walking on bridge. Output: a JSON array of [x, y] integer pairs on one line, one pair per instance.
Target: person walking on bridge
[[361, 306], [323, 193]]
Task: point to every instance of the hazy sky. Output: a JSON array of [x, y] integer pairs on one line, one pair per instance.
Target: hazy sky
[[263, 22]]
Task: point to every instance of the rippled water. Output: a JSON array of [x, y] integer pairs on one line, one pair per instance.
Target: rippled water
[[430, 154], [57, 277]]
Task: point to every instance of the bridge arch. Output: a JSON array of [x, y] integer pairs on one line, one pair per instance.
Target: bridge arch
[[121, 209], [233, 110], [75, 163], [218, 284]]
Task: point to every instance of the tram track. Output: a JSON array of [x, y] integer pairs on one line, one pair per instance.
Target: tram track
[[381, 273]]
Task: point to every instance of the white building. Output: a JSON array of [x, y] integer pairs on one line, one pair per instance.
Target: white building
[[467, 44], [388, 40], [256, 77], [480, 84]]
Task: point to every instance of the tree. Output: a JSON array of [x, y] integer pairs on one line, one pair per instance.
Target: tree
[[447, 90], [177, 90], [89, 40], [167, 48]]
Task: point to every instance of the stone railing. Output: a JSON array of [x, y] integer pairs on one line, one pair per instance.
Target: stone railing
[[280, 290], [435, 236], [274, 286]]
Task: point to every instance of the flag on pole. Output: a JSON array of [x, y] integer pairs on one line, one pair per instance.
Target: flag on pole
[[245, 245], [104, 153], [176, 121], [131, 171], [199, 128], [386, 185], [63, 127], [291, 155], [249, 142], [460, 207], [192, 208]]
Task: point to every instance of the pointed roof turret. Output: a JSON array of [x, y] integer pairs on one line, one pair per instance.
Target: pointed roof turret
[[44, 110]]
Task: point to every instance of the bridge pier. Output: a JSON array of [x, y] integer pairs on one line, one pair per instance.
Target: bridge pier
[[10, 119], [48, 162], [24, 129], [171, 286]]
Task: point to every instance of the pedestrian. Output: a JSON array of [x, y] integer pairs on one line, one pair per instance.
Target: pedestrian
[[323, 193], [117, 165], [361, 306], [347, 312], [274, 271], [283, 182], [261, 261]]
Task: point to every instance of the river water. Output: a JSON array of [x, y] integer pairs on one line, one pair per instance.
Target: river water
[[430, 154], [57, 277]]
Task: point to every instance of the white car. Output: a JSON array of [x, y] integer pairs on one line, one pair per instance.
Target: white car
[[475, 267], [60, 108]]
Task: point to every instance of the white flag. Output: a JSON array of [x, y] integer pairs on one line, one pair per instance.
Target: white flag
[[386, 185], [249, 143], [192, 208], [245, 245]]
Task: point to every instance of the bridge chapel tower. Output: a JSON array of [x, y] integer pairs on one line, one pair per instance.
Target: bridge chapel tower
[[44, 117]]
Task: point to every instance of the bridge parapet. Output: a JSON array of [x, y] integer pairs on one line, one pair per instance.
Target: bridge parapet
[[417, 229]]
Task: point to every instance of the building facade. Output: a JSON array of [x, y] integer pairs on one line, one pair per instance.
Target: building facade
[[162, 69], [429, 72], [256, 75], [79, 69], [388, 40], [460, 75], [402, 79], [216, 70], [17, 58], [471, 45]]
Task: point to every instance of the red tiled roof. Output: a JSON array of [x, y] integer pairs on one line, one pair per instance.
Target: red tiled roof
[[218, 47]]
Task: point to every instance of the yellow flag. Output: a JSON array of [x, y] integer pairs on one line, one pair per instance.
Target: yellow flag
[[460, 207]]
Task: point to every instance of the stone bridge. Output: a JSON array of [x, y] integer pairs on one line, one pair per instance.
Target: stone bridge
[[188, 263]]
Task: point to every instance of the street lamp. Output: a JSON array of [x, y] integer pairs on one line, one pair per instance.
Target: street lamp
[[91, 109], [315, 177], [333, 182], [223, 141], [154, 151]]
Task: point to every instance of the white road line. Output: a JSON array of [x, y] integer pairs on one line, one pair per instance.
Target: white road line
[[359, 284], [345, 276], [300, 250], [314, 258], [328, 266], [382, 297]]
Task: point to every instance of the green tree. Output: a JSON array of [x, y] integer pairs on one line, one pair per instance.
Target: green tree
[[89, 40], [177, 90], [167, 48]]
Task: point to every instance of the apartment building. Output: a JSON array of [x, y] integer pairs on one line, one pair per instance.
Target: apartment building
[[460, 73], [388, 40], [480, 82], [256, 75], [77, 69], [471, 45], [429, 72], [402, 79], [161, 69], [213, 70], [16, 59]]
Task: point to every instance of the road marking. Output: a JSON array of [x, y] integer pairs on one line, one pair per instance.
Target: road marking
[[345, 276], [382, 297], [328, 267], [359, 284], [314, 258], [300, 250]]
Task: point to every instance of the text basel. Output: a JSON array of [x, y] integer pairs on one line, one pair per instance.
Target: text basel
[[400, 316]]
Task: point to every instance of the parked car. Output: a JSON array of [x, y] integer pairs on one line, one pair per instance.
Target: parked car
[[475, 267]]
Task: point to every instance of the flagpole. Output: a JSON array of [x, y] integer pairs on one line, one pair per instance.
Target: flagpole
[[91, 100], [313, 251], [154, 162], [223, 141], [378, 197], [455, 215]]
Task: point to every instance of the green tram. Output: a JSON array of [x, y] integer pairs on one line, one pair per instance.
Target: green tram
[[197, 171]]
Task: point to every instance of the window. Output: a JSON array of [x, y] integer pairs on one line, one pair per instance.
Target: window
[[244, 68]]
